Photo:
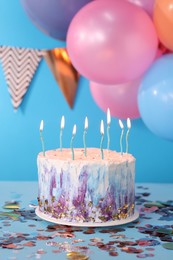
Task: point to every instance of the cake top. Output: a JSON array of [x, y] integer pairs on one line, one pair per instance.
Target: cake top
[[93, 154]]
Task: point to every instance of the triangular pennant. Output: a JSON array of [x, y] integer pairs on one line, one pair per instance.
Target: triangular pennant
[[65, 74], [19, 66]]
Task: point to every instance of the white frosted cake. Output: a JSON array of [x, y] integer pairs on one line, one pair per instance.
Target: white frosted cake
[[86, 189]]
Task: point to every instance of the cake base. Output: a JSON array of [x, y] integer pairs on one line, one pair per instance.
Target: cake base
[[86, 224]]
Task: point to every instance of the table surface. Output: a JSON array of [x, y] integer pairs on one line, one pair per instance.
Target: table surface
[[24, 236]]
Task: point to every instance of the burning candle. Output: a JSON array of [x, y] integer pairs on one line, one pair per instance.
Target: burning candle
[[121, 137], [41, 136], [84, 135], [127, 134], [61, 131], [102, 138], [71, 144], [108, 127]]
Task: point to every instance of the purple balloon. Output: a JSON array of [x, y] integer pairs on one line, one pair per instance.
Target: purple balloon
[[53, 16]]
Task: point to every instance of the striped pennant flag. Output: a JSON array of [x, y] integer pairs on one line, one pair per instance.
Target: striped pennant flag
[[19, 66]]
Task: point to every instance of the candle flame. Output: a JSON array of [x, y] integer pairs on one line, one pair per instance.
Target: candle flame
[[41, 126], [121, 124], [62, 122], [102, 127], [128, 123], [86, 123], [74, 130], [108, 116]]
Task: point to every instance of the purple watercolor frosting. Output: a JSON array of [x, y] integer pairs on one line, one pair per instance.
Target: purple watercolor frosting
[[86, 191]]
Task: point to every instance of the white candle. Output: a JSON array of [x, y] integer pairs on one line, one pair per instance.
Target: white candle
[[41, 136], [71, 144], [108, 127], [61, 131], [84, 134], [127, 134], [102, 138], [121, 137]]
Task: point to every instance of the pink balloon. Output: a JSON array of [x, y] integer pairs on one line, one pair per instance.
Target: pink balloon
[[121, 99], [147, 5], [111, 41]]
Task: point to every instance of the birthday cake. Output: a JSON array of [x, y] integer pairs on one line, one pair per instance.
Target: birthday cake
[[88, 188]]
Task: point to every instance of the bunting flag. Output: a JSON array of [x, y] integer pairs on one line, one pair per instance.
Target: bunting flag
[[19, 66], [65, 74]]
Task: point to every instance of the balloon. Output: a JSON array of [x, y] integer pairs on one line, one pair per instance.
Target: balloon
[[163, 20], [111, 42], [162, 50], [147, 5], [121, 99], [53, 16], [155, 97]]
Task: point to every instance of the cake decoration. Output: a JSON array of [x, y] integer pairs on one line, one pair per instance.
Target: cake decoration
[[71, 143], [84, 135], [121, 137], [127, 134], [41, 136], [61, 131], [108, 127], [102, 138]]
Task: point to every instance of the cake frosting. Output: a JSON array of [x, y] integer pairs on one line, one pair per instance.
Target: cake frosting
[[86, 189]]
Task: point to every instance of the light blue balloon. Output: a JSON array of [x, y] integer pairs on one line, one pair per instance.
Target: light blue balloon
[[155, 97]]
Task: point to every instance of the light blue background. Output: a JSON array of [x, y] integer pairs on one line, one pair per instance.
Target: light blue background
[[19, 131]]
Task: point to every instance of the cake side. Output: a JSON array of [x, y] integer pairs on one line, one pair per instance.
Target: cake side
[[86, 189]]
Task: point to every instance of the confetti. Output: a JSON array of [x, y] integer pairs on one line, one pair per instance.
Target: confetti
[[77, 241], [30, 244], [168, 246], [144, 255], [13, 246], [131, 250], [77, 256], [113, 253], [114, 241], [145, 194], [56, 251], [89, 231], [64, 235], [11, 205], [96, 239], [41, 252], [165, 231], [153, 204], [147, 242]]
